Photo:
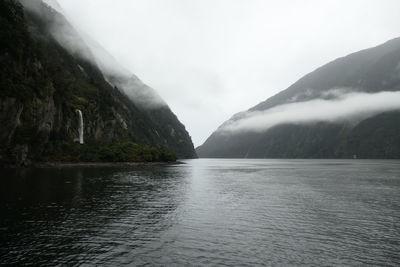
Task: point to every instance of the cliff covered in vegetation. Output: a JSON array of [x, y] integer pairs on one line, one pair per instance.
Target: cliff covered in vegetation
[[43, 84]]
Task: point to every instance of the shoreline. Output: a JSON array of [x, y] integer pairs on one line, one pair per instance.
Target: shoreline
[[42, 165]]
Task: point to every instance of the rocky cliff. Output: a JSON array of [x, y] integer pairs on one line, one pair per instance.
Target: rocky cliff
[[43, 83]]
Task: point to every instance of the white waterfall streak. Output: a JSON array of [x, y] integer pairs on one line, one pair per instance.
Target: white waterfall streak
[[80, 126]]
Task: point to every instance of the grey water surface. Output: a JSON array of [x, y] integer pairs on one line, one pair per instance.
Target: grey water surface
[[206, 212]]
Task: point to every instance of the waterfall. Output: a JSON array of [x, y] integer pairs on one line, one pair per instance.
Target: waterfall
[[80, 126]]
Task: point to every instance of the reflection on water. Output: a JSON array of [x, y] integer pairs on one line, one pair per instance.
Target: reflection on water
[[206, 212]]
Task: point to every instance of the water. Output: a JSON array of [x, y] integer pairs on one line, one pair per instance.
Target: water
[[206, 212]]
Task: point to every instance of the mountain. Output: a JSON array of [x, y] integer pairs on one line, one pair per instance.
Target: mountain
[[367, 73], [49, 74]]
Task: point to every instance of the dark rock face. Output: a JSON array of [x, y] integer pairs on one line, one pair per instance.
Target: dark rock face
[[372, 70], [42, 84]]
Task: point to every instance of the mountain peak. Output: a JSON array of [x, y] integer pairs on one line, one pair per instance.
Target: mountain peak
[[347, 107]]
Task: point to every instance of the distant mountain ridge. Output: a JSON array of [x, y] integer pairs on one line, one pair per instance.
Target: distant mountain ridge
[[44, 80], [368, 71]]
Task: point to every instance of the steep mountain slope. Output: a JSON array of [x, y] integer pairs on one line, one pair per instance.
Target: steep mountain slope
[[370, 71], [43, 84]]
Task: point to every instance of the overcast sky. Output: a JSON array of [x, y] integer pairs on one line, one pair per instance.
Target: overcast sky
[[210, 59]]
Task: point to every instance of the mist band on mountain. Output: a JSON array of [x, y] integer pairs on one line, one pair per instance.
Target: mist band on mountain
[[350, 107]]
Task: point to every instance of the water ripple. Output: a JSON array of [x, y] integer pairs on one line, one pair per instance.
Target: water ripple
[[206, 212]]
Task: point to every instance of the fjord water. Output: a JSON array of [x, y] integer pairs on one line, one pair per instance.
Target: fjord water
[[204, 212]]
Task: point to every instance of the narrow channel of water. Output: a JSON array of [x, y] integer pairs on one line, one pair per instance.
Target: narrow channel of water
[[205, 212]]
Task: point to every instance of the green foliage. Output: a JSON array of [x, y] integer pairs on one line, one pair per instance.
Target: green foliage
[[108, 152]]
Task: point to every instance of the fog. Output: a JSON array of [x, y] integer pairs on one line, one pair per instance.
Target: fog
[[210, 59], [141, 94], [83, 46], [350, 107]]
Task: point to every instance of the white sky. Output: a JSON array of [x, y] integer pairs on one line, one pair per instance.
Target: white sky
[[210, 59]]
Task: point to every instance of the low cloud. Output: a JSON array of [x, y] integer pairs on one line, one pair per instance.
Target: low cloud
[[141, 94], [350, 107], [84, 47]]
